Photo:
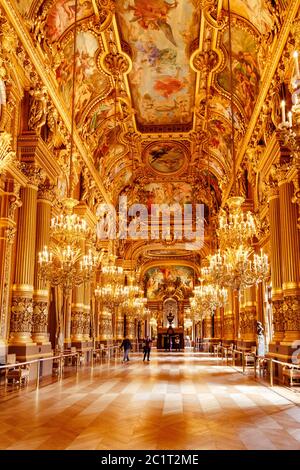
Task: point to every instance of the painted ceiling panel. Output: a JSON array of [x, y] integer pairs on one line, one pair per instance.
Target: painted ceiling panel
[[255, 11], [160, 33]]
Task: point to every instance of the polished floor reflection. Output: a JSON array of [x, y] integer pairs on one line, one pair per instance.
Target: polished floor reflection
[[176, 401]]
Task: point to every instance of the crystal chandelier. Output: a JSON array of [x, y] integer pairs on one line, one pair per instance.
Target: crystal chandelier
[[234, 269], [111, 274], [66, 267], [209, 297], [236, 228], [68, 227], [111, 294]]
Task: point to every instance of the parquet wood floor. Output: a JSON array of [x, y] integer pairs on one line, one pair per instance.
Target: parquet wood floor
[[176, 401]]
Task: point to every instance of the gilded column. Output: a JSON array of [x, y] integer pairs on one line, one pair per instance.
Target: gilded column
[[130, 328], [75, 333], [250, 319], [119, 325], [208, 327], [105, 324], [22, 300], [242, 316], [77, 315], [276, 263], [217, 325], [228, 322], [9, 201], [87, 312], [41, 288], [290, 254]]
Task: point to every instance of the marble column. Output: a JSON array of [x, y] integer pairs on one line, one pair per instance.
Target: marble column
[[290, 253], [22, 299], [41, 288], [276, 264]]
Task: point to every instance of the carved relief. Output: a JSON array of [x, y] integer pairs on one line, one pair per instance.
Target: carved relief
[[40, 317], [77, 323], [21, 314], [7, 155], [291, 313], [38, 109], [278, 317]]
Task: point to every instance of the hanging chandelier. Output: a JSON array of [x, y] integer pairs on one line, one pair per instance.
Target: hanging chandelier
[[208, 297], [68, 227], [237, 227], [111, 275], [66, 267], [111, 294], [233, 268]]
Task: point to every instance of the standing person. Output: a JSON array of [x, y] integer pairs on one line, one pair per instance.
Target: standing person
[[147, 348], [126, 345]]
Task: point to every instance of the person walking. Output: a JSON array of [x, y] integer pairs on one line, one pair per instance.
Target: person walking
[[126, 345], [147, 348]]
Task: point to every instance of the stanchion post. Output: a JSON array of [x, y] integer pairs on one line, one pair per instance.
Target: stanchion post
[[271, 372], [60, 367], [37, 374], [243, 361]]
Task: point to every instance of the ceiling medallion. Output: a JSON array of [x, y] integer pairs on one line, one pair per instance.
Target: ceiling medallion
[[165, 158]]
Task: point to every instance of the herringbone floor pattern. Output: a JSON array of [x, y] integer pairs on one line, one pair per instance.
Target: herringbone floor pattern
[[176, 401]]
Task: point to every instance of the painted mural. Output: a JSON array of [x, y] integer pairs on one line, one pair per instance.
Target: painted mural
[[168, 193], [255, 11], [61, 16], [159, 33], [169, 281], [246, 76], [219, 142], [89, 81], [166, 157]]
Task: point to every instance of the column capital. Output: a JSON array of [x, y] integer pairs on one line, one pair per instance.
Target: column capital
[[34, 174], [272, 189], [280, 172], [46, 193]]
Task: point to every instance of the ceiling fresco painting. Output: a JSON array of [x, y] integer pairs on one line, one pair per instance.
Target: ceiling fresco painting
[[61, 16], [255, 11], [90, 82], [168, 193], [160, 33], [160, 282], [245, 69], [167, 157]]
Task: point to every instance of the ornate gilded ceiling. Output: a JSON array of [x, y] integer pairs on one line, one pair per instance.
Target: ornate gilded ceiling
[[152, 87]]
